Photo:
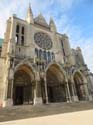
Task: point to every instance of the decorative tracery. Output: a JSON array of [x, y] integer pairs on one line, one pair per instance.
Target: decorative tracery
[[43, 40]]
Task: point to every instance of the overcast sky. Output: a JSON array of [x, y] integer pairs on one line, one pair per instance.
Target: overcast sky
[[73, 17]]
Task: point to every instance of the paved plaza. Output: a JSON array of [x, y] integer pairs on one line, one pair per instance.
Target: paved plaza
[[29, 111], [76, 118]]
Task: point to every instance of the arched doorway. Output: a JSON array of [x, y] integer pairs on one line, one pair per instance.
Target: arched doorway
[[79, 85], [55, 84], [23, 86]]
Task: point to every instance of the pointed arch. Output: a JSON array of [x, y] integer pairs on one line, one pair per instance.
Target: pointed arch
[[26, 63], [58, 66], [81, 74], [79, 82], [56, 80], [24, 77]]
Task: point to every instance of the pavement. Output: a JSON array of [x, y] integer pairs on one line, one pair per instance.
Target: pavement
[[29, 111], [75, 118]]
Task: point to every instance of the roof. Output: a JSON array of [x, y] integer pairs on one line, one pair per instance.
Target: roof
[[1, 41], [41, 20]]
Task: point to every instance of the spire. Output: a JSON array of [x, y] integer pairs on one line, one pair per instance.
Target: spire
[[29, 16], [52, 25], [41, 20], [41, 16]]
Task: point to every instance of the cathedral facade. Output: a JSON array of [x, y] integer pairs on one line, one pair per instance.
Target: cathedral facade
[[38, 66]]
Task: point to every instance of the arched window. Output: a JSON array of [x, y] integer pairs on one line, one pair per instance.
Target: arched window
[[22, 40], [40, 54], [17, 38], [45, 55], [49, 57], [62, 45], [36, 52], [53, 56], [22, 30], [17, 29]]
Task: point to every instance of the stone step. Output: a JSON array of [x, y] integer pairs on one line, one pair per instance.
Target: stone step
[[28, 111]]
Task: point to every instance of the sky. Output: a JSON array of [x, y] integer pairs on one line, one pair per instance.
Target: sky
[[73, 17]]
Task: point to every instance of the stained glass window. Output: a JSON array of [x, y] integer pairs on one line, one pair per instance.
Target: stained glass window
[[43, 40]]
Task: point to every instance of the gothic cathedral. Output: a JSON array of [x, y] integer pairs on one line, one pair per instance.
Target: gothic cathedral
[[38, 66]]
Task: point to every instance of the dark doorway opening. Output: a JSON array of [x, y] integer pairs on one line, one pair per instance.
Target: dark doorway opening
[[18, 95], [80, 92], [56, 93], [56, 88], [23, 92], [50, 94], [79, 85]]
